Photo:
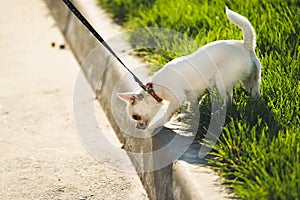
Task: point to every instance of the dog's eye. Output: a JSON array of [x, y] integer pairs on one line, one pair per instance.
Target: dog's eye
[[136, 117]]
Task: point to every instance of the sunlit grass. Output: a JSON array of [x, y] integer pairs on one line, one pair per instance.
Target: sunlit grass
[[259, 150]]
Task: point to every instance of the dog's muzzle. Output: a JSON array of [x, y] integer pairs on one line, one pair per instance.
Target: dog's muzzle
[[140, 126]]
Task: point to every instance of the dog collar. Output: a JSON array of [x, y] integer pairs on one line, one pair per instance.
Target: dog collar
[[149, 89]]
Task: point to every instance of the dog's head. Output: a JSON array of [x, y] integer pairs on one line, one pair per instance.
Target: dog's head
[[141, 108], [252, 84]]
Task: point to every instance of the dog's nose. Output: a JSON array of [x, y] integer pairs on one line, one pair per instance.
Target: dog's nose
[[255, 95], [140, 126]]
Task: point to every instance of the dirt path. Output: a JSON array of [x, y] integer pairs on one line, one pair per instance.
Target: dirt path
[[41, 154]]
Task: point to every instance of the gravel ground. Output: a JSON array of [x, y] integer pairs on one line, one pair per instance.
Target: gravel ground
[[41, 154]]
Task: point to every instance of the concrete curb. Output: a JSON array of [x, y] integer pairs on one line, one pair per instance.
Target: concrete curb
[[180, 180]]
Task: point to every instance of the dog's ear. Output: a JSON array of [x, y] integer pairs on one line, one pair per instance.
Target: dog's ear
[[126, 97]]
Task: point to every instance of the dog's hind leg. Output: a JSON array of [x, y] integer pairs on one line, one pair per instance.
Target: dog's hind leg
[[229, 92], [220, 85]]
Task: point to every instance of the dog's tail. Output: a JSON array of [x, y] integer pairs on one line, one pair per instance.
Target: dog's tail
[[245, 25]]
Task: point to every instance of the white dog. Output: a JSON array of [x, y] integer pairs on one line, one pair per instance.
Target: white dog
[[219, 64]]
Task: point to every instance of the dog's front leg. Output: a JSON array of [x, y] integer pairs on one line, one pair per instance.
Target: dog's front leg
[[164, 115]]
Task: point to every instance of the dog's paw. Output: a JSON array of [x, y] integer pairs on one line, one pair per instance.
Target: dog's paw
[[179, 117]]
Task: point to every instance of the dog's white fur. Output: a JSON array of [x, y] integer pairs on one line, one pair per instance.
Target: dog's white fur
[[219, 64]]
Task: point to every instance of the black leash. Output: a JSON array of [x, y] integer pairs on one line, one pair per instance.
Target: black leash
[[101, 40]]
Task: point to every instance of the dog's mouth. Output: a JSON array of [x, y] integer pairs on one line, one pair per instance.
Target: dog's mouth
[[141, 126]]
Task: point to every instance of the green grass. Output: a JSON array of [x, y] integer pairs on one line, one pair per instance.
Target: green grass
[[259, 150]]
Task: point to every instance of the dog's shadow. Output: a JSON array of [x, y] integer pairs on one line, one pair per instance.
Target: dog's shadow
[[244, 108], [251, 111]]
